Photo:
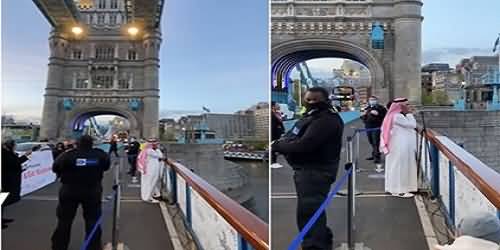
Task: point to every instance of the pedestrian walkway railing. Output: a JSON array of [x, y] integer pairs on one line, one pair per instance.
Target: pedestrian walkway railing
[[458, 180], [215, 220]]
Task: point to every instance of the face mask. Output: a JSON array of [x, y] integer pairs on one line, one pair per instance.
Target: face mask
[[317, 105], [372, 102]]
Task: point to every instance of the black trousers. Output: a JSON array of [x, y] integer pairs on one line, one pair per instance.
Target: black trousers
[[312, 188], [70, 198], [374, 139], [132, 160]]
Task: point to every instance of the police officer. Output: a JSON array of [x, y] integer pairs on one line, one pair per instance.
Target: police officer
[[312, 148], [373, 116], [81, 171]]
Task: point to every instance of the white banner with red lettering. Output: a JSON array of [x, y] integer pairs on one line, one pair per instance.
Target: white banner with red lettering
[[38, 173]]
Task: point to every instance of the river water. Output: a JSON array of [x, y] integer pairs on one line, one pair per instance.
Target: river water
[[258, 176]]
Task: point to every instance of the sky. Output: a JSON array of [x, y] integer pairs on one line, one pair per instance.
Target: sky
[[451, 30], [214, 54]]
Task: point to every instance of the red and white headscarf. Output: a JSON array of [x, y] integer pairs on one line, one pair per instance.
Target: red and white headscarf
[[142, 158], [388, 123]]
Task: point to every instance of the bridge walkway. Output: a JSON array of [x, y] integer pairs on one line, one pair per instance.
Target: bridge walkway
[[382, 222], [141, 224]]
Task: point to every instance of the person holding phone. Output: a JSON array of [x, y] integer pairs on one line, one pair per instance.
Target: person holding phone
[[11, 175]]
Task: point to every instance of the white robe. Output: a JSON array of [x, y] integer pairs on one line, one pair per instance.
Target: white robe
[[150, 182], [400, 162]]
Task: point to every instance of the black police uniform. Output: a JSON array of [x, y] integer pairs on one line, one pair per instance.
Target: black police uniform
[[81, 172], [312, 148], [133, 153], [374, 121]]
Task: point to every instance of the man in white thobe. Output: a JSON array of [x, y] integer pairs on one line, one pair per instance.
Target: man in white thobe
[[150, 165], [398, 142]]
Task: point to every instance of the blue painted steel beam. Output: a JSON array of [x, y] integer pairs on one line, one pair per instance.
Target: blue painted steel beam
[[435, 170]]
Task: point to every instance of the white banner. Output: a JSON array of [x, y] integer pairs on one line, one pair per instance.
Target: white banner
[[38, 172]]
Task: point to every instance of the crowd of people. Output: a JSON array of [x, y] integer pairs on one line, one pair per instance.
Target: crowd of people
[[80, 166]]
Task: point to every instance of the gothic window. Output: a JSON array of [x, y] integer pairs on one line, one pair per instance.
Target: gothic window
[[132, 55], [114, 4], [123, 84], [77, 54], [101, 4], [100, 19], [104, 53], [81, 83], [102, 81], [112, 19]]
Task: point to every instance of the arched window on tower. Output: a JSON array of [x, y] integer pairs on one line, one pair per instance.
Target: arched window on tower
[[132, 54], [100, 19], [77, 54], [114, 4], [112, 19], [101, 4]]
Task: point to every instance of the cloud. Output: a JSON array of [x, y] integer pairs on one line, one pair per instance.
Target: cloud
[[452, 56]]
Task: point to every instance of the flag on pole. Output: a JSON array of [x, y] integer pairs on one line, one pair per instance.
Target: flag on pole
[[497, 42], [206, 109]]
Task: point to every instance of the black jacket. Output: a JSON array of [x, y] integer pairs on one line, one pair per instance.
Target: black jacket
[[81, 168], [277, 127], [11, 175], [134, 148], [314, 142], [113, 147], [371, 120]]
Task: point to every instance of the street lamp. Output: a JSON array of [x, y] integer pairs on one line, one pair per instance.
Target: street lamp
[[133, 31], [77, 30]]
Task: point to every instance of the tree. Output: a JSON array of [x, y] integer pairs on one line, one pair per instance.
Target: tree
[[427, 99], [440, 98]]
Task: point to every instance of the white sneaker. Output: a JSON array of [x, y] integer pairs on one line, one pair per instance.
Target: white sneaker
[[134, 180], [379, 168], [153, 201], [276, 165], [406, 195]]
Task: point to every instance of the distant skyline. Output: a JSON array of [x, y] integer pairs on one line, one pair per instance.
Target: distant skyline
[[210, 56]]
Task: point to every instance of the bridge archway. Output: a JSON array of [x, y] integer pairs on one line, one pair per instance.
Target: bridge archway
[[286, 55], [76, 120]]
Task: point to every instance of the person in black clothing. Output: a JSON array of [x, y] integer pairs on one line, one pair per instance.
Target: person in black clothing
[[59, 149], [312, 147], [80, 171], [132, 153], [277, 127], [11, 175], [373, 116], [113, 147]]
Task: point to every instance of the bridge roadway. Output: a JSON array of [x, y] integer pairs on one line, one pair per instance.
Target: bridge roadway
[[141, 225], [382, 222]]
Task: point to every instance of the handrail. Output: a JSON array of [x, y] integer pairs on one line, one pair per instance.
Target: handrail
[[484, 178], [252, 228]]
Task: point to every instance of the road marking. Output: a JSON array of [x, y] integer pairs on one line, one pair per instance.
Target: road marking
[[170, 227], [429, 233]]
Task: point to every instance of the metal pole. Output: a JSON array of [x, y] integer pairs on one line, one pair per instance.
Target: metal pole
[[350, 195], [116, 206]]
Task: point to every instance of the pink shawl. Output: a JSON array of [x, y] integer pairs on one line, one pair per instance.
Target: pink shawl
[[143, 158], [388, 123]]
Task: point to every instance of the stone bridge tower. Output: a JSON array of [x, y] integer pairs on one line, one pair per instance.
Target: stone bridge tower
[[104, 59], [383, 35]]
